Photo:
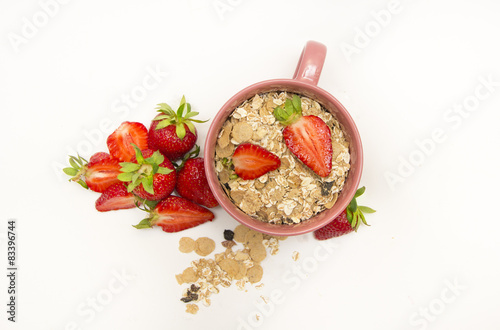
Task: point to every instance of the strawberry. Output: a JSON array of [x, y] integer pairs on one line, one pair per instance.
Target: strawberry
[[307, 137], [192, 182], [173, 133], [98, 156], [96, 175], [149, 175], [252, 161], [116, 197], [174, 214], [348, 221], [120, 141]]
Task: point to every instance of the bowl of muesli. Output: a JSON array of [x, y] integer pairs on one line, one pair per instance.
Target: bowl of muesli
[[291, 199]]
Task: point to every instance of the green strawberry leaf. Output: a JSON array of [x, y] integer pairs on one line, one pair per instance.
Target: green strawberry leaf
[[138, 154], [289, 107], [143, 224], [191, 114], [147, 184], [165, 107], [349, 215], [129, 167], [73, 162], [191, 127], [359, 192], [353, 205], [151, 204], [180, 130], [357, 221], [156, 159], [163, 170], [83, 184], [363, 218], [297, 103], [197, 121], [125, 177], [163, 124], [366, 209], [133, 185], [71, 171], [135, 177], [161, 117]]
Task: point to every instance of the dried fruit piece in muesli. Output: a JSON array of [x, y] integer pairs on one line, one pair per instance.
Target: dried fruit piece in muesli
[[228, 235]]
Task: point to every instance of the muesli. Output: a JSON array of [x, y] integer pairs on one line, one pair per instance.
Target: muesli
[[292, 193]]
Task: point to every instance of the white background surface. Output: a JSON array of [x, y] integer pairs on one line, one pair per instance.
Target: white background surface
[[436, 227]]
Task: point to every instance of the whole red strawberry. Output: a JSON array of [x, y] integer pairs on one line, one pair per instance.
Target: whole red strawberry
[[174, 214], [173, 133], [192, 183], [149, 175], [101, 172], [347, 221], [120, 141], [307, 137]]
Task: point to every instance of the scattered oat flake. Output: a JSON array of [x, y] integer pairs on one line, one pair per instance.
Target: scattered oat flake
[[258, 253], [255, 273], [240, 232], [295, 256], [186, 245], [206, 276], [192, 308], [242, 132], [204, 246]]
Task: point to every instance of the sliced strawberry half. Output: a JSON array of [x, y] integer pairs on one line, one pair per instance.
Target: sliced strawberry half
[[101, 172], [120, 141], [99, 156], [307, 137], [252, 161], [175, 214], [100, 175], [116, 197]]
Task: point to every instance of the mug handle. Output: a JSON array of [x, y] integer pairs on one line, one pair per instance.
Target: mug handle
[[310, 63]]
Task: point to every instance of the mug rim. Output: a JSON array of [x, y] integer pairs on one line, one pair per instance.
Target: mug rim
[[321, 96]]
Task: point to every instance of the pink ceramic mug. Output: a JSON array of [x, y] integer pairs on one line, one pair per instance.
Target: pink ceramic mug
[[304, 82]]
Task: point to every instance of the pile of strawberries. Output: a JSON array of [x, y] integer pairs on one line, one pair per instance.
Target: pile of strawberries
[[143, 168]]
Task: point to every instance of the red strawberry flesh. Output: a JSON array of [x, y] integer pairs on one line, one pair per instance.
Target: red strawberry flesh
[[174, 214], [102, 174], [115, 197], [309, 138], [252, 161], [120, 141], [99, 156]]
